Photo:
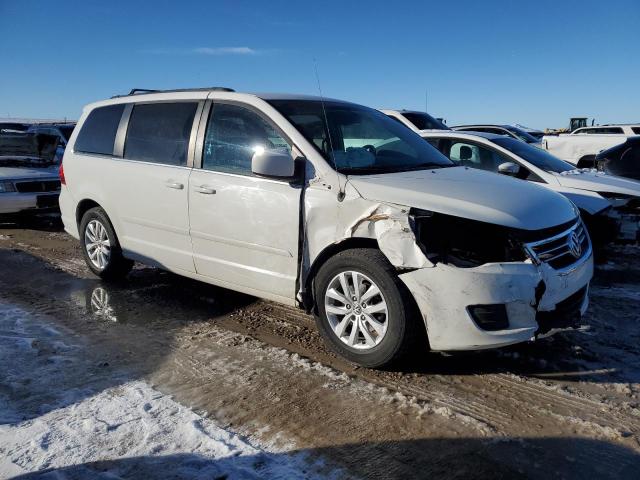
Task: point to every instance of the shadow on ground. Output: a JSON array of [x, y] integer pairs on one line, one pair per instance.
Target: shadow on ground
[[473, 458]]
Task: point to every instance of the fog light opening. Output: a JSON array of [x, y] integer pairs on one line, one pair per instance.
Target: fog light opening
[[490, 317]]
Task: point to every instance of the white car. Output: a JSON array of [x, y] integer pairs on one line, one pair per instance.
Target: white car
[[609, 129], [581, 146], [29, 181], [369, 227], [598, 196], [416, 121]]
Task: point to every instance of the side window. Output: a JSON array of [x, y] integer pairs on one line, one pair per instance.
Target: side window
[[233, 135], [433, 141], [636, 130], [397, 120], [98, 133], [603, 130], [159, 132], [475, 156]]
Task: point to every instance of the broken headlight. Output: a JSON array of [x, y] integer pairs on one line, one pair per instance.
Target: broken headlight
[[463, 242]]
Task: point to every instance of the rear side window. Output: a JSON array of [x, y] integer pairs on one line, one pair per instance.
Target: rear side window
[[636, 130], [233, 135], [602, 130], [424, 121], [160, 132], [98, 133]]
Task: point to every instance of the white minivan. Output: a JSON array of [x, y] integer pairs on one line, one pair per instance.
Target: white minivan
[[329, 206]]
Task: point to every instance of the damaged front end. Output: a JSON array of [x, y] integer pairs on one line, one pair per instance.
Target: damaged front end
[[479, 285], [491, 285]]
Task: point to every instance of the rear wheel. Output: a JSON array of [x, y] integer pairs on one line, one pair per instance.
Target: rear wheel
[[364, 311], [100, 246]]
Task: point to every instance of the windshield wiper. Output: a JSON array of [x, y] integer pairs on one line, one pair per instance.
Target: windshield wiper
[[429, 165]]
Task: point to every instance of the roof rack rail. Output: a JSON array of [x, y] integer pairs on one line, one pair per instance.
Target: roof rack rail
[[135, 91], [145, 91]]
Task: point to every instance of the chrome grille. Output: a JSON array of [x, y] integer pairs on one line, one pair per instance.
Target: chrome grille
[[563, 250]]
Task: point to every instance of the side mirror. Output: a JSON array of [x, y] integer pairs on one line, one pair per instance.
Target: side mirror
[[509, 168], [269, 163]]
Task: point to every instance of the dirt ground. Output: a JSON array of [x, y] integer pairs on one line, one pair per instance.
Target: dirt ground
[[562, 407]]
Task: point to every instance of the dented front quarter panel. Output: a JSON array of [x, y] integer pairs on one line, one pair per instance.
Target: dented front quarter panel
[[329, 222]]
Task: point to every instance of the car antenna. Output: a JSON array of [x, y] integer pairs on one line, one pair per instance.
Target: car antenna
[[326, 123]]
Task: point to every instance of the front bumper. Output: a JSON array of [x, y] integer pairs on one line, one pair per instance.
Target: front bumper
[[40, 202], [444, 293]]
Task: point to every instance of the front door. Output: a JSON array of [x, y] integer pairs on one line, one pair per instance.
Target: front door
[[244, 229]]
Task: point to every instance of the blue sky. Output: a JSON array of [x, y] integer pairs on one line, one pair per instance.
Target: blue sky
[[536, 63]]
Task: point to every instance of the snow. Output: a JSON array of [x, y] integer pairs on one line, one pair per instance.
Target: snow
[[135, 421], [127, 430]]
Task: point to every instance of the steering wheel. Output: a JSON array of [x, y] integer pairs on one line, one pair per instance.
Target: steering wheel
[[370, 148]]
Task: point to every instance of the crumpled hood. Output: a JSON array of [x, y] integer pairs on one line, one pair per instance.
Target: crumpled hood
[[598, 182], [470, 193], [15, 173]]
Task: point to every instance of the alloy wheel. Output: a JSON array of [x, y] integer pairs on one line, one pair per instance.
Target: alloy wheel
[[356, 310], [97, 244]]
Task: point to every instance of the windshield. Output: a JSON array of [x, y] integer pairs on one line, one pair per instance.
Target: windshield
[[522, 135], [534, 155], [66, 131], [27, 149], [362, 140], [424, 121]]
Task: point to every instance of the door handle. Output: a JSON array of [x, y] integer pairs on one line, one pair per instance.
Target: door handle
[[175, 185], [205, 190]]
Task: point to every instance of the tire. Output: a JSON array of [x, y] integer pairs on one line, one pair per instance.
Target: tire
[[358, 336], [108, 263]]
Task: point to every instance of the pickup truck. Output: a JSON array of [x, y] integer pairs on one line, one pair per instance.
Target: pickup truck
[[580, 149]]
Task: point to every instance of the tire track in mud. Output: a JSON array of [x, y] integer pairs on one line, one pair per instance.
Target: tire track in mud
[[462, 399]]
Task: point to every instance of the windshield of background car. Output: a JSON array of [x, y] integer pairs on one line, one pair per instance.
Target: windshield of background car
[[33, 149], [522, 135], [66, 132], [424, 121], [534, 155], [359, 140]]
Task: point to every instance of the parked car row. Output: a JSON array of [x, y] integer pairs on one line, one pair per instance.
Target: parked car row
[[395, 230], [29, 181], [332, 207], [30, 155]]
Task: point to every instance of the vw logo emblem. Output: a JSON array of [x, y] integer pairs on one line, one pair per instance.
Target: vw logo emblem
[[574, 245]]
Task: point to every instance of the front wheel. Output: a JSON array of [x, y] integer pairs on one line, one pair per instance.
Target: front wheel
[[364, 311], [100, 246]]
